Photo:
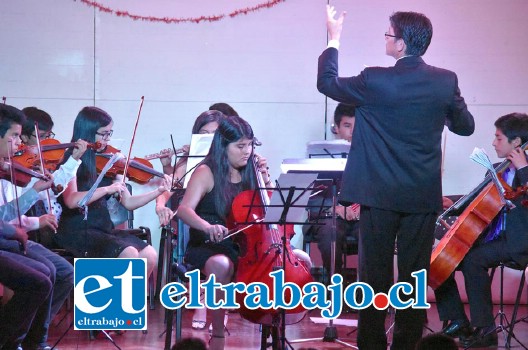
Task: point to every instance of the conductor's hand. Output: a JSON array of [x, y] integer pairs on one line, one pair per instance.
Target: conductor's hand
[[164, 214], [334, 26], [518, 158], [216, 232]]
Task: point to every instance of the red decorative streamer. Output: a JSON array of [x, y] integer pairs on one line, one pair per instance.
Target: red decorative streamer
[[170, 20]]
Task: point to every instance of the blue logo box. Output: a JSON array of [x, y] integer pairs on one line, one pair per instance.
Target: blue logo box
[[110, 294]]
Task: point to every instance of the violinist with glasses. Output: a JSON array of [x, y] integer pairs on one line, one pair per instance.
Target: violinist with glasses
[[500, 242], [61, 175], [57, 269], [96, 236]]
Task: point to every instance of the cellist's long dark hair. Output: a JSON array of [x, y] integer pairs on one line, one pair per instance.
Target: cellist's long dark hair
[[231, 129], [88, 121]]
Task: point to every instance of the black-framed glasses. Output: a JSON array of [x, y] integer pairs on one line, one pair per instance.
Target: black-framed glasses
[[105, 135], [392, 36], [44, 136]]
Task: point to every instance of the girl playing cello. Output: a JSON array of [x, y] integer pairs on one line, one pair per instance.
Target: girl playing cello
[[226, 171]]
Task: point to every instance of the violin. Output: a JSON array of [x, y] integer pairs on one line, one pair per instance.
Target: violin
[[512, 194], [139, 170], [52, 154], [23, 175]]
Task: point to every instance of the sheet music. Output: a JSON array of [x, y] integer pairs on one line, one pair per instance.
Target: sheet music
[[313, 164], [328, 149], [200, 144], [299, 200]]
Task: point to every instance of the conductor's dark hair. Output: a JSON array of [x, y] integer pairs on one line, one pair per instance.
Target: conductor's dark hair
[[415, 29]]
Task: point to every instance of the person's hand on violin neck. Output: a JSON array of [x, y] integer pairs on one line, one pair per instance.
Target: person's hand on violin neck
[[49, 221], [42, 184], [80, 147], [216, 232], [518, 158]]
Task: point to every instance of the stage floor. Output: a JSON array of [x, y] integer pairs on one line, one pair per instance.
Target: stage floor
[[243, 334]]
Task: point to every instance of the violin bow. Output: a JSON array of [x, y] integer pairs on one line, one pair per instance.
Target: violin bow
[[15, 190], [39, 150], [127, 161]]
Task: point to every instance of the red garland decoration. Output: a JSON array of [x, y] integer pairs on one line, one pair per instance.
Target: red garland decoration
[[168, 20]]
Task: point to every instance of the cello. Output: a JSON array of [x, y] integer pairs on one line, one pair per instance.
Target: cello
[[485, 202], [265, 248]]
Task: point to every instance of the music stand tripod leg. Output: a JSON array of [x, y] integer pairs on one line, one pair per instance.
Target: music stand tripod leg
[[330, 332]]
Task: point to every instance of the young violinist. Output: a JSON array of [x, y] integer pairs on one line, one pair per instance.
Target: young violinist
[[60, 271], [96, 236], [63, 174], [494, 246], [47, 210], [225, 172]]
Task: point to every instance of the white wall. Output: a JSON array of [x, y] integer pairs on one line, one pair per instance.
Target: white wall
[[63, 55]]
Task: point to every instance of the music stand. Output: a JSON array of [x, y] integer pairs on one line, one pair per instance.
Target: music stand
[[199, 148], [333, 174], [333, 149]]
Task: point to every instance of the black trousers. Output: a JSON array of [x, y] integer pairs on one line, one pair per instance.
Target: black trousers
[[380, 231], [478, 285]]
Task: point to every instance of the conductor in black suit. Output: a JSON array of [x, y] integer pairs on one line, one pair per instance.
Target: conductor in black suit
[[393, 169]]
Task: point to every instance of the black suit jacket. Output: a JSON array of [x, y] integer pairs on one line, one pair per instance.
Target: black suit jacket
[[395, 157]]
